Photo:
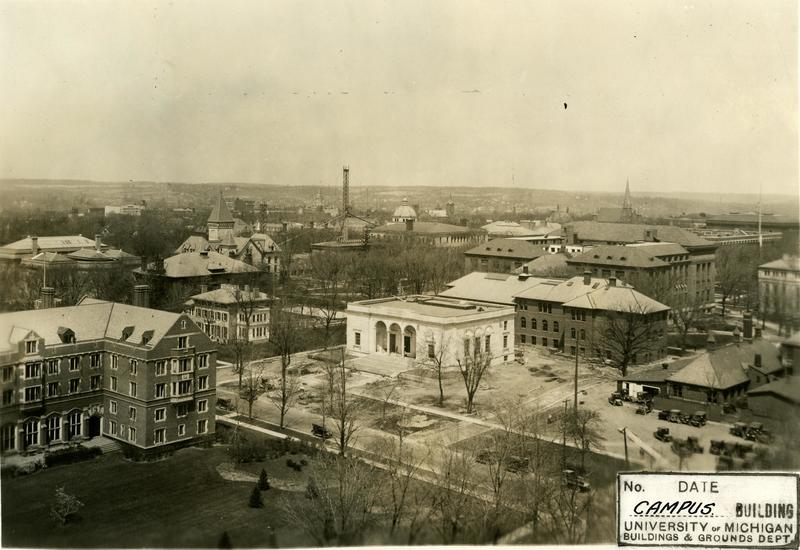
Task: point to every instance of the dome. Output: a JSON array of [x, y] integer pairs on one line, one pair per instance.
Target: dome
[[404, 212]]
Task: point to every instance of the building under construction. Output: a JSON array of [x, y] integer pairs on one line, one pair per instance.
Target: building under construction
[[354, 230]]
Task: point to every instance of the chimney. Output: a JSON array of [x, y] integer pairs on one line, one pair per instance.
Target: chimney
[[758, 333], [203, 289], [612, 281], [141, 295], [587, 277], [525, 269], [47, 294], [98, 242], [757, 361], [409, 225], [34, 245], [747, 325]]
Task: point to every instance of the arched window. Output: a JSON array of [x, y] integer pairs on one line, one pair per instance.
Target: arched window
[[522, 322], [555, 326], [533, 323], [544, 324]]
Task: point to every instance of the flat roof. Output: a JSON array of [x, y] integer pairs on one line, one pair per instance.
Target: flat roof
[[432, 306]]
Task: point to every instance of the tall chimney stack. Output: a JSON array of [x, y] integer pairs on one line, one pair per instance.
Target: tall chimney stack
[[747, 325], [98, 242], [345, 202], [34, 245], [141, 295], [757, 361], [47, 299]]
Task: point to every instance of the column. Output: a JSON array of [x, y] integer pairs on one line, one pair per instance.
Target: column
[[19, 439]]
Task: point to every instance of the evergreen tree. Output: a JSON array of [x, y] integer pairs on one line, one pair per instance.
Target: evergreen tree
[[263, 481], [255, 498]]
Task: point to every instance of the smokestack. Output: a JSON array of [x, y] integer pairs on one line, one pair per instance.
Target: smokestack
[[34, 245], [98, 242], [612, 281], [757, 361], [587, 277], [47, 299], [345, 190], [141, 295], [409, 225], [747, 325]]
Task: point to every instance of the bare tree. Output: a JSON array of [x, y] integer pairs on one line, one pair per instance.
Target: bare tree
[[627, 334], [285, 336], [253, 388], [343, 406], [687, 312], [733, 268], [472, 368], [437, 362], [246, 303], [452, 503], [284, 395], [329, 270], [583, 427], [341, 511]]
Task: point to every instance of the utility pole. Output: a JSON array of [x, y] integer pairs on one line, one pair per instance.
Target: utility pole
[[564, 431], [625, 440], [577, 348]]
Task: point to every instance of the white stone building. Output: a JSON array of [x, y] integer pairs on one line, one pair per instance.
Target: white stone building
[[427, 327]]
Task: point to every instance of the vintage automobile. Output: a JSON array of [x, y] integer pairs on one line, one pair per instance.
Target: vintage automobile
[[663, 415], [685, 418], [699, 419], [739, 429], [644, 408], [753, 431], [321, 431], [662, 434], [690, 445], [728, 408], [716, 447], [573, 480], [674, 415], [615, 399]]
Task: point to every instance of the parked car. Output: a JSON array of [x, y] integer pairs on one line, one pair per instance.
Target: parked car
[[674, 415], [321, 431], [686, 418], [663, 415], [699, 419], [644, 408], [690, 444], [716, 447], [753, 431], [728, 408], [662, 434], [573, 480], [616, 401], [739, 429]]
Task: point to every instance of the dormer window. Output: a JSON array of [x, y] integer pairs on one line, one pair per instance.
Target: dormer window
[[126, 332], [31, 346], [66, 335], [147, 336], [183, 342]]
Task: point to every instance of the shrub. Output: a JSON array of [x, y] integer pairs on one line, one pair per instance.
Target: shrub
[[70, 455], [65, 506], [311, 489], [28, 468], [263, 481], [255, 498], [290, 463]]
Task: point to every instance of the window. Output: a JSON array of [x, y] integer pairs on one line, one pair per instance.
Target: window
[[112, 427], [202, 383], [33, 394], [8, 373], [183, 342], [112, 405], [544, 325], [522, 338], [114, 362], [522, 322], [181, 430], [52, 389], [131, 433], [431, 351], [33, 370], [132, 414], [8, 397], [134, 367], [74, 363], [112, 384], [555, 326], [544, 342], [202, 406], [573, 333], [202, 361], [505, 341], [161, 368], [533, 323], [161, 415], [488, 342], [53, 428], [466, 347], [95, 360], [476, 347], [572, 350], [94, 382], [31, 346], [52, 367], [75, 421], [160, 435], [202, 426], [583, 334], [132, 389], [505, 325], [182, 410], [74, 385], [357, 337], [8, 437], [184, 364], [161, 390], [181, 388], [31, 432], [533, 340]]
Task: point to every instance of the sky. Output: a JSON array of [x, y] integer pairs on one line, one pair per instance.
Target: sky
[[563, 94]]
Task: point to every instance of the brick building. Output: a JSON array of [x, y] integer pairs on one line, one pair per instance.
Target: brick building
[[572, 315], [141, 376], [228, 312], [501, 255]]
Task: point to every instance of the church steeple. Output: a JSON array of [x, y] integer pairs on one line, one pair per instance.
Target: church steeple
[[626, 202], [220, 222]]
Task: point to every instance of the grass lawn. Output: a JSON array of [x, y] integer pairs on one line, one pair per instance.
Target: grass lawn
[[178, 502]]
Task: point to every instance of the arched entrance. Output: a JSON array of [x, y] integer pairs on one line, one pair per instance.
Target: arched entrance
[[394, 338], [409, 342], [380, 337]]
